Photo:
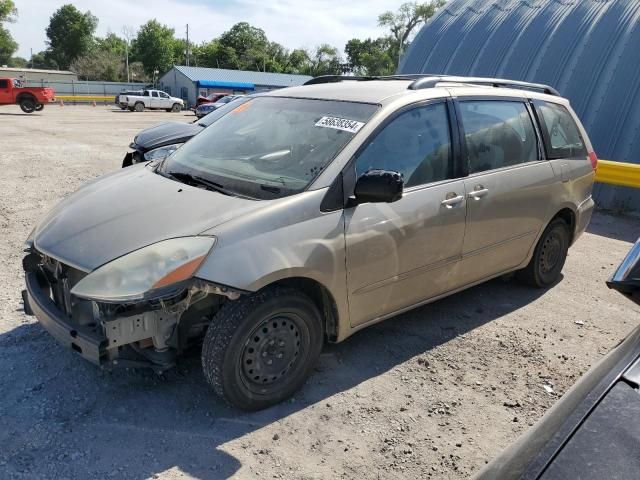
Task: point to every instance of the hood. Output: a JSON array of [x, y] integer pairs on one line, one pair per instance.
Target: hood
[[166, 134], [128, 210]]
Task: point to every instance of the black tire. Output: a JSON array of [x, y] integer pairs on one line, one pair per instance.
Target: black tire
[[39, 107], [176, 107], [122, 107], [549, 256], [261, 348], [139, 107], [28, 104]]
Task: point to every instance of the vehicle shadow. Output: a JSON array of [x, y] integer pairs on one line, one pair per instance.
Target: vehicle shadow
[[9, 114], [62, 416]]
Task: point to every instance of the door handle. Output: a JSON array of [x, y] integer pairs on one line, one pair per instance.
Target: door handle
[[478, 192], [453, 201]]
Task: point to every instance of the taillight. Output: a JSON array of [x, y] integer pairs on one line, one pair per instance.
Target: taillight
[[594, 160]]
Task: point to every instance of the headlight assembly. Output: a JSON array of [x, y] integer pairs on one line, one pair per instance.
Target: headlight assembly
[[132, 276], [162, 152]]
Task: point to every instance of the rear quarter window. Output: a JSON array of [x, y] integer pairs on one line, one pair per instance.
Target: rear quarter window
[[562, 136]]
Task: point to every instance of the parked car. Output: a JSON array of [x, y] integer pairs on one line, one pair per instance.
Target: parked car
[[30, 99], [593, 432], [206, 108], [151, 99], [124, 94], [306, 214], [159, 141], [211, 98]]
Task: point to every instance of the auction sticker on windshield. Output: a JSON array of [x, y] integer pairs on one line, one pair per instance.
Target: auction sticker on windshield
[[340, 124]]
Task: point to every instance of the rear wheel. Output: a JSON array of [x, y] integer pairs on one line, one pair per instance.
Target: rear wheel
[[28, 104], [261, 348], [39, 107], [139, 107], [549, 256]]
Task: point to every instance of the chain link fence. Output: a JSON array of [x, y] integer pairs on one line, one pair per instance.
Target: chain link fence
[[84, 91]]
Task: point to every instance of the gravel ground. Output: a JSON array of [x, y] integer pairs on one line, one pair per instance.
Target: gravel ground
[[436, 392]]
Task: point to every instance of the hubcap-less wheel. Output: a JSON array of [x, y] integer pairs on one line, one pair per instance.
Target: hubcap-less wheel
[[270, 352], [550, 252], [548, 257], [259, 349]]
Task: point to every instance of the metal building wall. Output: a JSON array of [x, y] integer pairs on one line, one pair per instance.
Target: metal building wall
[[588, 49]]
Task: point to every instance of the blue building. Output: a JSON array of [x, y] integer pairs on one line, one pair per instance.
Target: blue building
[[190, 82], [587, 49]]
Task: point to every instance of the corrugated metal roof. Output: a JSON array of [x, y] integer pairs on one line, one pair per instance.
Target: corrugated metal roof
[[257, 78], [588, 49]]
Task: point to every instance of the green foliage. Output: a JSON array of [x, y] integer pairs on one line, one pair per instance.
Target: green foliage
[[154, 46], [371, 57], [99, 64], [111, 43], [18, 62], [8, 45], [8, 11], [70, 35], [403, 23]]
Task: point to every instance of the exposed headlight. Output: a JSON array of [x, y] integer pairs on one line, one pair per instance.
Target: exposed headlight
[[132, 276], [162, 152]]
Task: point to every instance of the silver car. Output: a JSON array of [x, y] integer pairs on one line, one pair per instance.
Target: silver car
[[306, 214]]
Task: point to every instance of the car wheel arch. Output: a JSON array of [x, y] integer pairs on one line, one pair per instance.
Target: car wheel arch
[[321, 297]]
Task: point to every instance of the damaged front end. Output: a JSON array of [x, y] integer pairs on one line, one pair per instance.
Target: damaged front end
[[148, 332]]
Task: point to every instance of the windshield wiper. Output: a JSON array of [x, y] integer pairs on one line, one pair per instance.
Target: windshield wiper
[[196, 181]]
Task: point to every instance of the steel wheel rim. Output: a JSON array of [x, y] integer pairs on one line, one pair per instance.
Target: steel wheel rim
[[271, 351], [551, 252]]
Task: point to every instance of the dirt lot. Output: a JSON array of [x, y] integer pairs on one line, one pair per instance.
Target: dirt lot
[[436, 392]]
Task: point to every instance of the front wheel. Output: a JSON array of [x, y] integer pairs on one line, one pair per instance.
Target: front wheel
[[176, 107], [549, 256], [28, 105], [261, 348]]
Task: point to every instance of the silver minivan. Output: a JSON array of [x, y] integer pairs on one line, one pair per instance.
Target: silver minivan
[[305, 214]]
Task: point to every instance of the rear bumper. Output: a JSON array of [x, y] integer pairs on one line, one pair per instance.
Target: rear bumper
[[57, 323], [583, 217]]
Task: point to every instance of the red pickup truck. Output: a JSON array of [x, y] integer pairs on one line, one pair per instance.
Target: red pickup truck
[[30, 99]]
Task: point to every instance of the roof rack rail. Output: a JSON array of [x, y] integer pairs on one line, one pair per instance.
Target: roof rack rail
[[341, 78], [432, 81]]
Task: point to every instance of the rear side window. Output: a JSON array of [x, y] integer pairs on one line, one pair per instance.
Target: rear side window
[[497, 134], [417, 144], [561, 134], [4, 83]]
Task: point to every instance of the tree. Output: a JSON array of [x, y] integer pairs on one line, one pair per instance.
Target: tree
[[99, 64], [70, 35], [111, 43], [17, 62], [249, 44], [404, 22], [154, 47], [371, 57], [325, 60], [8, 45]]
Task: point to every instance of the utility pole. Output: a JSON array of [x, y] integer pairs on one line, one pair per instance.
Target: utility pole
[[126, 49], [187, 44], [32, 58], [128, 33]]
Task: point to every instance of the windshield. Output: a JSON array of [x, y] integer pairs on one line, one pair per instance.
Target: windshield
[[269, 147]]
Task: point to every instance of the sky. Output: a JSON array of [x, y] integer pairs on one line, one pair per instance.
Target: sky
[[293, 23]]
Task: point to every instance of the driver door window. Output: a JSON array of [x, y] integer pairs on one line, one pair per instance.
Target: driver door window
[[416, 143]]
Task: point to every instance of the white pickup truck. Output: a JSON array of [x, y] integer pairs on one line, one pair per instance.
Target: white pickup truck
[[152, 99]]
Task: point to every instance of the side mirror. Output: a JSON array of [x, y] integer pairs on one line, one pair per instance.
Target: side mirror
[[626, 278], [378, 186]]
